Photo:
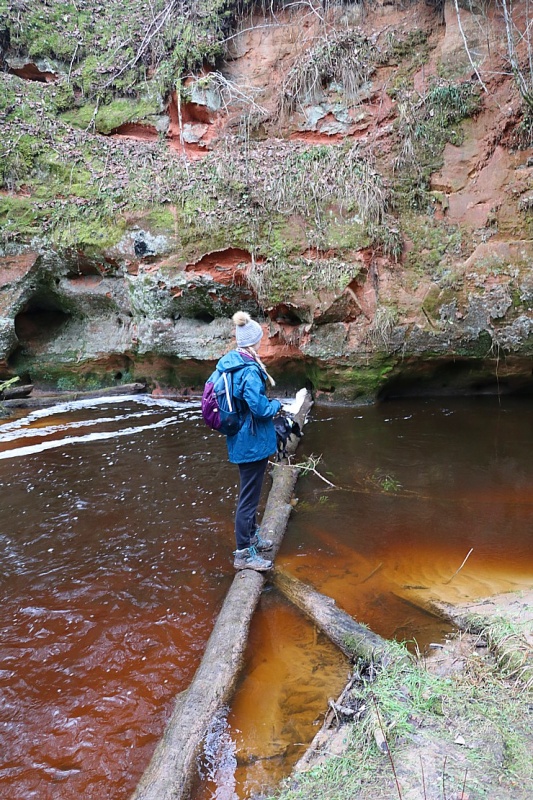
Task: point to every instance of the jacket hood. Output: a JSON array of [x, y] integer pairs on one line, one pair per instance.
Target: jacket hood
[[232, 359]]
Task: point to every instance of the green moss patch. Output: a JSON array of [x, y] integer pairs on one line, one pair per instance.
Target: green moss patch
[[20, 217], [425, 124], [107, 118], [350, 383], [106, 48], [432, 245]]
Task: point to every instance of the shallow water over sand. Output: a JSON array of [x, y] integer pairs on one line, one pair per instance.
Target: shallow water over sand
[[116, 542]]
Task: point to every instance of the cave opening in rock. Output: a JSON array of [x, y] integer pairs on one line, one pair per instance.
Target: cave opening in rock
[[204, 316], [449, 377], [285, 315], [40, 320]]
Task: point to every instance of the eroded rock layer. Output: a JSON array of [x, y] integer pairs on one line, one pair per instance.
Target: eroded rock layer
[[358, 179]]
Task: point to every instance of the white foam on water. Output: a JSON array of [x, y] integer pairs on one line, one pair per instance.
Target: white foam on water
[[90, 437], [14, 434], [72, 405]]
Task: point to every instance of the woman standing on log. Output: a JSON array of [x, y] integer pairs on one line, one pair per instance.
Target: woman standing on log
[[251, 447]]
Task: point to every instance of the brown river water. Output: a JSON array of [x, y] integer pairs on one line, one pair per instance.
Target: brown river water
[[115, 556]]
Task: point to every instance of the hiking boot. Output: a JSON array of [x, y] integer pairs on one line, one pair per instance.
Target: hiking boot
[[249, 559], [259, 543]]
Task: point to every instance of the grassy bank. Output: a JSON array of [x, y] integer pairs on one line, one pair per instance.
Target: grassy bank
[[458, 725]]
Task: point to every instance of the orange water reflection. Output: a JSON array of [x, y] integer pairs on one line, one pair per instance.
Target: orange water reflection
[[460, 479]]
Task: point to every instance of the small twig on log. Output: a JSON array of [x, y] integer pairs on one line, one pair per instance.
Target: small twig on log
[[460, 568], [387, 748], [377, 730], [72, 62], [309, 465], [464, 785], [423, 777]]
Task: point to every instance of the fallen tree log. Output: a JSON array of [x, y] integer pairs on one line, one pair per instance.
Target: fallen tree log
[[354, 639], [509, 645], [16, 392], [51, 398], [173, 766]]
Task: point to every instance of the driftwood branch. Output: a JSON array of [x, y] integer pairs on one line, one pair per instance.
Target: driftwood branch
[[174, 763]]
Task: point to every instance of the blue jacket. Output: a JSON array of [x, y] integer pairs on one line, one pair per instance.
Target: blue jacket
[[257, 438]]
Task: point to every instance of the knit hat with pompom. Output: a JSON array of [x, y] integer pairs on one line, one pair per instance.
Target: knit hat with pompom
[[248, 332]]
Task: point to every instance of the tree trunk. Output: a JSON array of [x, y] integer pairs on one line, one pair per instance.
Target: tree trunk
[[173, 765], [353, 639]]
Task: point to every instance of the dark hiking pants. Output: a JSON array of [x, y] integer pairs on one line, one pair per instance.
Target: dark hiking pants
[[251, 482]]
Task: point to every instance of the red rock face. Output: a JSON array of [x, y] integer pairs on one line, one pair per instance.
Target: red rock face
[[277, 348], [477, 189], [12, 268], [134, 130], [192, 127], [225, 266]]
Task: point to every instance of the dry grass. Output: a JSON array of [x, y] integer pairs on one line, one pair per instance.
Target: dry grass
[[275, 281], [466, 732], [343, 57]]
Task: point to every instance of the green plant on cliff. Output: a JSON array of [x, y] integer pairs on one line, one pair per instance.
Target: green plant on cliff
[[277, 281], [8, 384], [407, 51], [106, 118], [344, 57], [524, 132], [104, 49], [306, 180], [434, 245], [382, 327], [19, 218], [425, 124]]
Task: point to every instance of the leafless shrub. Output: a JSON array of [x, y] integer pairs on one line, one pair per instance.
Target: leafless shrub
[[519, 37]]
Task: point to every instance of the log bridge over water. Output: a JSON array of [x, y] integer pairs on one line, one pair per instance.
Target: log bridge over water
[[174, 762]]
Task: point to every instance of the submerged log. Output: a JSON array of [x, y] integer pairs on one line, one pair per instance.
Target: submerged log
[[172, 768], [354, 639], [50, 399], [16, 392]]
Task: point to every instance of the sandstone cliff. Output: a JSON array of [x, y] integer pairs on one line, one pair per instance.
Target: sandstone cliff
[[358, 177]]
